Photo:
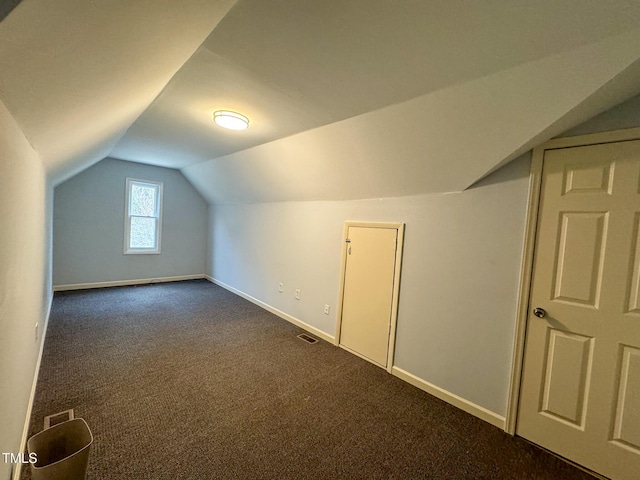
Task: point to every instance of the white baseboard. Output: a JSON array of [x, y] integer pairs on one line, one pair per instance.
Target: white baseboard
[[296, 321], [469, 407], [121, 283], [463, 404], [25, 431]]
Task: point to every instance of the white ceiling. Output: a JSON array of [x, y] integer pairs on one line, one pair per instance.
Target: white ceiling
[[467, 86], [76, 74], [440, 142]]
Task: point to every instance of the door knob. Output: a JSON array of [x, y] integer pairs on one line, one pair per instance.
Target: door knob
[[539, 312]]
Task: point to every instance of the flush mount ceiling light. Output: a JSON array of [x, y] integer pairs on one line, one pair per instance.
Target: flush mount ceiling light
[[230, 120]]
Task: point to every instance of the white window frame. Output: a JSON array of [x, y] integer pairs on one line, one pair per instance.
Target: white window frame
[[127, 217]]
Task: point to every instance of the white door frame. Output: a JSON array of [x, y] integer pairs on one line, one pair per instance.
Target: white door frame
[[535, 183], [396, 282]]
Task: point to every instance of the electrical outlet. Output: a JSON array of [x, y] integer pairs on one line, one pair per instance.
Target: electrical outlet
[[326, 309], [35, 336], [281, 287], [297, 294]]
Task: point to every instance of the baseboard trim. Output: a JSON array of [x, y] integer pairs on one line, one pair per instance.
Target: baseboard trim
[[296, 321], [457, 401], [25, 431], [122, 283], [463, 404]]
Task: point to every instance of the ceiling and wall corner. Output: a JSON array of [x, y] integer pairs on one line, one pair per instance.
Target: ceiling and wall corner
[[397, 98], [624, 115], [443, 141], [77, 74]]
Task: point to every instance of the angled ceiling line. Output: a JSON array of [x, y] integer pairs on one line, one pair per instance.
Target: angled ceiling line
[[513, 97], [254, 76]]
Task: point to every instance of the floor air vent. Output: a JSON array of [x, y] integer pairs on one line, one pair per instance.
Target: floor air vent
[[307, 338]]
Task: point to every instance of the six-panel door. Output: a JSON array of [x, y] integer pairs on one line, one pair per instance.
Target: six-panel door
[[580, 392]]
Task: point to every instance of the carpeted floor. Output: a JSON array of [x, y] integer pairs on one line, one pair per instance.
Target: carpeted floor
[[188, 381]]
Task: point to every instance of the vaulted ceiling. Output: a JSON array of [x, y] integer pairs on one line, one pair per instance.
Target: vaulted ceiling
[[347, 98]]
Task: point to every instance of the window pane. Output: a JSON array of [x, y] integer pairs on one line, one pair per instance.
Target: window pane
[[143, 201], [143, 232]]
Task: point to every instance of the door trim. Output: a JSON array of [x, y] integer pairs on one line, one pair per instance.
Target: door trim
[[535, 181], [396, 282]]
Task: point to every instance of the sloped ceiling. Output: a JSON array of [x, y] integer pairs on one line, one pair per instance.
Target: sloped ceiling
[[347, 98], [76, 74], [440, 142]]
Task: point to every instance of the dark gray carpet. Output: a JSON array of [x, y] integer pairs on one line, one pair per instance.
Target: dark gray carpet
[[188, 381]]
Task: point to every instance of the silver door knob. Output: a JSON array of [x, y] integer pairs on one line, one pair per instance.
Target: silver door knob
[[539, 312]]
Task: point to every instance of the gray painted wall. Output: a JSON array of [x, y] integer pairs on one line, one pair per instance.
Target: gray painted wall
[[624, 115], [460, 274], [88, 227], [25, 277]]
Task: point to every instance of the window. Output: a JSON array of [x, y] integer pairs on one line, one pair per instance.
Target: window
[[143, 216]]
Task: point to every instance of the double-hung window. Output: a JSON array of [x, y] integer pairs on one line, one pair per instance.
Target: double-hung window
[[143, 216]]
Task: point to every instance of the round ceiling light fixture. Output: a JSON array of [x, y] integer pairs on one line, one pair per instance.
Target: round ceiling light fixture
[[230, 120]]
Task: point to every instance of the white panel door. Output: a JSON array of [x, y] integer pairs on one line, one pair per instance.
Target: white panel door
[[580, 393], [368, 292]]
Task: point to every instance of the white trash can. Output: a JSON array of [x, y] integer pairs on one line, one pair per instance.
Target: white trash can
[[62, 451]]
